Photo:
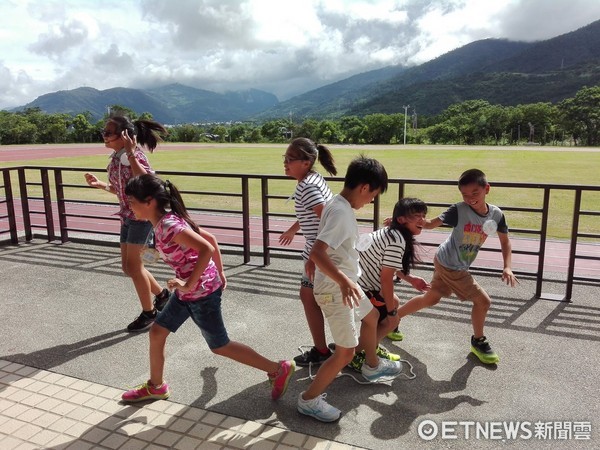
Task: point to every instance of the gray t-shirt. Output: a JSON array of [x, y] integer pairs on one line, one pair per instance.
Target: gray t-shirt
[[460, 249]]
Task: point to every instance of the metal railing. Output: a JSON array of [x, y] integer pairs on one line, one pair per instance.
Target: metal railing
[[259, 217]]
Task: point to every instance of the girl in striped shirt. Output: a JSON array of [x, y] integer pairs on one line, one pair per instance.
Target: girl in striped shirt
[[310, 197]]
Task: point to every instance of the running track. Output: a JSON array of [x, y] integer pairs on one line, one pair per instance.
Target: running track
[[557, 252]]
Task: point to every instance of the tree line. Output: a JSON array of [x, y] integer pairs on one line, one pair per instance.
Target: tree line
[[574, 121]]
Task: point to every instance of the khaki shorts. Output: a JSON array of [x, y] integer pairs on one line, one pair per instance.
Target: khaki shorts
[[344, 322], [459, 282]]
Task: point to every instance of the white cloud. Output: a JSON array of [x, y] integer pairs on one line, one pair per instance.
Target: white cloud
[[285, 47]]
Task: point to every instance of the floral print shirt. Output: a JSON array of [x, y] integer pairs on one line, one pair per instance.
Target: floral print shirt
[[119, 173], [183, 259]]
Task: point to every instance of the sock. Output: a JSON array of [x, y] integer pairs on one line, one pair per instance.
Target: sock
[[323, 351]]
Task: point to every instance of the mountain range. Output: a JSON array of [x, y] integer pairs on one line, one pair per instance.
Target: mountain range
[[497, 70]]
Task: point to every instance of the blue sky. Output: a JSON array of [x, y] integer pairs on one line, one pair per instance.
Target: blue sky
[[286, 47]]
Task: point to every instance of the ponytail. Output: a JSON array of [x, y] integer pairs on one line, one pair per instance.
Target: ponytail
[[308, 150], [326, 159], [148, 132]]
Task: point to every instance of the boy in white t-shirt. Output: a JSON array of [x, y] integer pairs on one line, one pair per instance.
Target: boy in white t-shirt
[[340, 298]]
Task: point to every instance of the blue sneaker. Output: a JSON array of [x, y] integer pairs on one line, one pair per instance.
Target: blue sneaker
[[386, 371], [318, 408]]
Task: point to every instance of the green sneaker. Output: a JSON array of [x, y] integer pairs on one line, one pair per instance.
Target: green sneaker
[[480, 347], [358, 361], [395, 335], [383, 353]]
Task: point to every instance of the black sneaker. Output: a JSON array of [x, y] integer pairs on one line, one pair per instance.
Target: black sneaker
[[481, 348], [161, 299], [312, 356], [143, 322]]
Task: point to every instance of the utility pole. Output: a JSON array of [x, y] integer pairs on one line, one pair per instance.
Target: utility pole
[[405, 113]]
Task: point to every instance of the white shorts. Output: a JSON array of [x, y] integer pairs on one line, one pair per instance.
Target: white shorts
[[344, 322]]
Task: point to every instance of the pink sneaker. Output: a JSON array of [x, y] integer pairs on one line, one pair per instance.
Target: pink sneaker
[[146, 391], [280, 380]]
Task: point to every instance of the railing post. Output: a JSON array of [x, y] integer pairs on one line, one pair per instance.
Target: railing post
[[60, 202], [10, 207], [25, 205], [542, 248], [376, 213], [246, 219], [264, 183], [573, 250], [47, 205]]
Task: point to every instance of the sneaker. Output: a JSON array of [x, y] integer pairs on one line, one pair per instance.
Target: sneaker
[[143, 322], [357, 361], [312, 356], [395, 335], [481, 348], [161, 299], [318, 408], [146, 391], [280, 379], [383, 353], [385, 371]]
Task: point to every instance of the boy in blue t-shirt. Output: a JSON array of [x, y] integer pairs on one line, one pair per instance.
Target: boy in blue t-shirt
[[472, 220]]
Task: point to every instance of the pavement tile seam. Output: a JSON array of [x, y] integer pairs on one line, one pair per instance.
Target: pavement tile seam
[[62, 413]]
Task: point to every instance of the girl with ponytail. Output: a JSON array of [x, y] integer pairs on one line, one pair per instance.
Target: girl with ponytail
[[194, 255]]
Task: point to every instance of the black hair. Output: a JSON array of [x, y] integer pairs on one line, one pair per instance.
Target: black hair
[[472, 176], [308, 150], [363, 170], [148, 132], [165, 193], [405, 207]]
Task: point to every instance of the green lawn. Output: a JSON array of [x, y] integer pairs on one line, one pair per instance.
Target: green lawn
[[527, 165]]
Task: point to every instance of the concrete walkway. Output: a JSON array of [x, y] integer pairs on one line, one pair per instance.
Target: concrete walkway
[[65, 359]]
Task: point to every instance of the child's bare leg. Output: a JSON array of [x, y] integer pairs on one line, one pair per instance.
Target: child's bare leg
[[388, 324], [314, 317], [481, 306], [328, 371], [158, 339], [131, 263], [368, 337], [419, 302], [246, 355]]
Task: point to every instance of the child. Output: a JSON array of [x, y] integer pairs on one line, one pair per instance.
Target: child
[[337, 293], [388, 251], [199, 279], [310, 197], [472, 221], [127, 160]]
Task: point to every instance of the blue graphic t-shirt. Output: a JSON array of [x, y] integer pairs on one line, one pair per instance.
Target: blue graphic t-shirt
[[460, 249]]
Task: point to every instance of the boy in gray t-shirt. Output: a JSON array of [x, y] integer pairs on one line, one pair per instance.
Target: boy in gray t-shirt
[[472, 220]]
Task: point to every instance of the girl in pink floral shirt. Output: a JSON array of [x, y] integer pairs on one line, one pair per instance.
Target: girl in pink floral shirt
[[126, 139], [197, 286]]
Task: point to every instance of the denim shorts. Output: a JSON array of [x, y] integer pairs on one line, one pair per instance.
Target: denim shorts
[[135, 231], [205, 312]]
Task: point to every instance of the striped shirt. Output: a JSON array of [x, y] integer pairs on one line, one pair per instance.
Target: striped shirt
[[311, 192], [386, 250]]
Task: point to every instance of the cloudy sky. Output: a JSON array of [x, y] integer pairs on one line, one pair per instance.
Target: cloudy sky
[[286, 47]]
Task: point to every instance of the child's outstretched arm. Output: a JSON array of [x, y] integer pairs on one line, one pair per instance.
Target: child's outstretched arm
[[189, 238], [287, 236], [216, 256], [430, 224], [507, 274], [351, 293], [420, 284]]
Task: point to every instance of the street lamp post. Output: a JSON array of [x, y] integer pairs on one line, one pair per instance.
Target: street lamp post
[[405, 113]]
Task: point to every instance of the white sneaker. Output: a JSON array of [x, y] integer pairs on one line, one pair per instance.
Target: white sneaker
[[318, 408], [386, 370]]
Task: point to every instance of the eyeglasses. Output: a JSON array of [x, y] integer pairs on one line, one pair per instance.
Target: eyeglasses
[[287, 159], [107, 133]]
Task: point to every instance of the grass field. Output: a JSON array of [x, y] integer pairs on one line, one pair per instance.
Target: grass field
[[515, 164]]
